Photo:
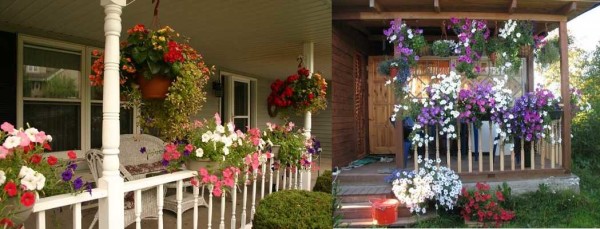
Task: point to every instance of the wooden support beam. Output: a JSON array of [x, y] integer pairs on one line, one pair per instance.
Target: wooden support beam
[[512, 7], [566, 96], [530, 70], [436, 6], [350, 15], [567, 8], [375, 6]]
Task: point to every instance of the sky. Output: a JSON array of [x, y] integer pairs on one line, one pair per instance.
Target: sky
[[586, 30]]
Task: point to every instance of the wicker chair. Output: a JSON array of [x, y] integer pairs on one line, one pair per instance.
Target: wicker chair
[[130, 155]]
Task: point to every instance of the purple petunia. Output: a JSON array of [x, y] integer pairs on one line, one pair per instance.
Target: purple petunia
[[165, 162], [77, 183], [67, 175], [143, 150]]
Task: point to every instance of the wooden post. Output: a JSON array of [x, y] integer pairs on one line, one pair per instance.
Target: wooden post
[[491, 153], [399, 143], [566, 96], [522, 154], [437, 144], [110, 209], [529, 82], [459, 153]]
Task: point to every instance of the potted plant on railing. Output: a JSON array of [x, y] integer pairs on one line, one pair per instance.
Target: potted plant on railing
[[25, 173], [443, 48], [162, 76], [472, 37], [298, 94], [476, 103]]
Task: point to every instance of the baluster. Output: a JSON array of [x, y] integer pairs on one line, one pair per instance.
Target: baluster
[[291, 177], [253, 209], [138, 208], [309, 174], [532, 153], [301, 178], [416, 157], [77, 216], [296, 178], [271, 175], [553, 146], [469, 148], [459, 153], [285, 174], [160, 196], [210, 205], [427, 144], [234, 198], [245, 197], [522, 154], [41, 220], [277, 178], [512, 156], [448, 163], [196, 191], [437, 144], [222, 224], [492, 148], [479, 147], [542, 150], [262, 182], [501, 153], [560, 161], [179, 197]]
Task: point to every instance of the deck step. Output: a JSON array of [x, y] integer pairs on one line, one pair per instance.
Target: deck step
[[359, 210], [361, 194], [401, 222]]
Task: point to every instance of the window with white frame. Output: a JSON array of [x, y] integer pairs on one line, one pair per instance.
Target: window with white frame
[[54, 94], [240, 101]]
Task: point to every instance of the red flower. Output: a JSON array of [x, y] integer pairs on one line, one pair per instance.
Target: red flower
[[174, 54], [311, 96], [288, 91], [292, 78], [35, 159], [194, 182], [72, 155], [28, 199], [499, 196], [47, 146], [52, 160], [303, 72], [10, 188], [7, 223], [137, 28]]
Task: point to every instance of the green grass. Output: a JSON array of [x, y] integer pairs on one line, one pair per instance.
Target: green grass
[[547, 208]]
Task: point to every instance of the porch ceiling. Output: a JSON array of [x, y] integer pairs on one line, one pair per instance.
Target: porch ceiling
[[260, 37]]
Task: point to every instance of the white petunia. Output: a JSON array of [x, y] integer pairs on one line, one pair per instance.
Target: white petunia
[[12, 142], [31, 132], [199, 152], [2, 177], [225, 151]]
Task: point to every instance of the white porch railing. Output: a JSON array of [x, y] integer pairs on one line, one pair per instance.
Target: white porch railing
[[274, 180]]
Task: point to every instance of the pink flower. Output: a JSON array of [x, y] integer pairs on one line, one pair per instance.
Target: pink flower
[[189, 147], [170, 148], [203, 172], [194, 182], [7, 127], [40, 137], [24, 139], [217, 189], [217, 119], [213, 179], [3, 152]]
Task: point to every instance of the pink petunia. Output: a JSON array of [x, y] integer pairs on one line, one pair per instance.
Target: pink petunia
[[40, 137], [3, 152], [217, 119], [7, 127], [24, 139], [189, 147]]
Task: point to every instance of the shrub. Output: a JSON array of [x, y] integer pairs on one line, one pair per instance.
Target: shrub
[[323, 183], [294, 209]]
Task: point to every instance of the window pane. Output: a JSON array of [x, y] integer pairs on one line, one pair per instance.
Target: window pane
[[61, 120], [241, 124], [125, 118], [49, 73], [240, 98]]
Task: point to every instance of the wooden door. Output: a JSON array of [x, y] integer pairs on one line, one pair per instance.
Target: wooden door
[[381, 103]]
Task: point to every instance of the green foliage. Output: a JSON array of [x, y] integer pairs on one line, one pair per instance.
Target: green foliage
[[443, 48], [291, 149], [493, 45], [548, 54], [324, 182], [61, 86], [336, 204], [294, 209]]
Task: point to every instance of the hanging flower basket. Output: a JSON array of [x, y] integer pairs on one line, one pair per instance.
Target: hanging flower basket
[[393, 71], [525, 51], [555, 115], [155, 88]]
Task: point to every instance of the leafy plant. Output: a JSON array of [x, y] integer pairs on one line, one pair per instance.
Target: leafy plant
[[294, 209], [324, 183], [443, 48], [472, 37], [298, 94], [290, 141], [548, 54], [407, 41]]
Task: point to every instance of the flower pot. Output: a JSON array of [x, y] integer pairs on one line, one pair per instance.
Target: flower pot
[[425, 51], [486, 117], [555, 115], [200, 163], [525, 51], [275, 150], [393, 71], [19, 212], [155, 88], [493, 57], [384, 211], [473, 224]]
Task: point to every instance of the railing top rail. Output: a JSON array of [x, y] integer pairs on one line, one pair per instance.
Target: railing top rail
[[57, 201], [157, 180]]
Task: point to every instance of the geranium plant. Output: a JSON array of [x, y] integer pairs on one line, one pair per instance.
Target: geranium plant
[[472, 36], [291, 142], [25, 171], [485, 206], [298, 94], [164, 54], [429, 183], [218, 184], [407, 41]]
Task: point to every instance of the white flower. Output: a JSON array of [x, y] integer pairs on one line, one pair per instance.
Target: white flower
[[41, 181], [518, 35], [269, 142], [31, 132], [225, 151], [2, 177], [231, 127], [392, 38], [410, 36], [206, 136], [220, 129], [199, 152], [48, 138], [227, 141], [11, 142]]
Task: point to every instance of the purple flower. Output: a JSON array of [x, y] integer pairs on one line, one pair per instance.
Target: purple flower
[[77, 183], [88, 187], [165, 162], [67, 175], [72, 165], [186, 152], [143, 150]]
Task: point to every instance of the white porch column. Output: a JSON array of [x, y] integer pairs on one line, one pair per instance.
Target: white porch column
[[111, 208], [308, 53]]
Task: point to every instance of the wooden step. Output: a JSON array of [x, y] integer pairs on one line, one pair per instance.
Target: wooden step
[[358, 194], [401, 222], [359, 210]]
